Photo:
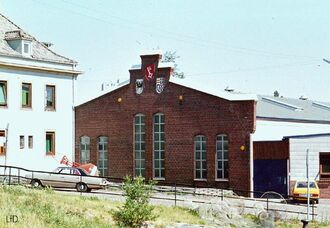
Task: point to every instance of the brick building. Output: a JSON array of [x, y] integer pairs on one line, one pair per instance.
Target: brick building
[[155, 127]]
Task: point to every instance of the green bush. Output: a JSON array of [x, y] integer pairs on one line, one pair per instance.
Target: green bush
[[136, 209]]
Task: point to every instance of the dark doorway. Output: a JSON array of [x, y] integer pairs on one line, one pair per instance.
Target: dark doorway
[[270, 175]]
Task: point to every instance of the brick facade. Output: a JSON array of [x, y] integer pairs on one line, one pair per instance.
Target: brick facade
[[198, 113]]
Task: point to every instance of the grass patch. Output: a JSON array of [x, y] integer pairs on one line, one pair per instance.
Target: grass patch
[[46, 208]]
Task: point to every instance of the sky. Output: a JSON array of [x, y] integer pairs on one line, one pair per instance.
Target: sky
[[252, 46]]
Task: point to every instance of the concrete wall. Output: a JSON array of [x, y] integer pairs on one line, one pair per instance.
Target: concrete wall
[[36, 121]]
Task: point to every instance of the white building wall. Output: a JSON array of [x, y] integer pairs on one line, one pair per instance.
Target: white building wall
[[37, 121], [275, 130], [298, 148]]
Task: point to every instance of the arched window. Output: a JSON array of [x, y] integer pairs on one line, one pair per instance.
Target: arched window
[[139, 144], [222, 157], [85, 142], [200, 157], [159, 146], [102, 148]]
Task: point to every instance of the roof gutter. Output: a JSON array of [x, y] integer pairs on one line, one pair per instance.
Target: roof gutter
[[16, 66]]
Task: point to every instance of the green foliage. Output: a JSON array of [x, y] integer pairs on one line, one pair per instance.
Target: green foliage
[[170, 57], [136, 209]]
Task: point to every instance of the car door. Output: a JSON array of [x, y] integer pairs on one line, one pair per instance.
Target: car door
[[68, 178]]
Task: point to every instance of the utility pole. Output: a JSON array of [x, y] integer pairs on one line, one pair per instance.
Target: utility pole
[[305, 222]]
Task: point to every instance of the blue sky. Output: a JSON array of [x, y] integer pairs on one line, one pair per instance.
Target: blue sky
[[252, 46]]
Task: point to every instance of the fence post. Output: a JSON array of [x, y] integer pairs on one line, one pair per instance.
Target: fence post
[[313, 206], [267, 203], [221, 194], [175, 194], [9, 175], [19, 176]]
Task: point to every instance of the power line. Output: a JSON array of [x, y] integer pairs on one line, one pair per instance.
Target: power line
[[177, 36]]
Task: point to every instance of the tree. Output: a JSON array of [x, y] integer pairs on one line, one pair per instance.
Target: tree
[[136, 209], [170, 57], [276, 93]]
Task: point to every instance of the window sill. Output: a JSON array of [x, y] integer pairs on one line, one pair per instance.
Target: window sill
[[158, 178], [26, 108], [50, 154], [221, 180], [204, 180], [50, 109], [4, 106]]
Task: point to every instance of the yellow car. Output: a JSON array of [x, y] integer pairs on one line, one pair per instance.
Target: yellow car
[[300, 191]]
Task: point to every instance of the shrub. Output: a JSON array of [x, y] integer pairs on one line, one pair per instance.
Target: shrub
[[136, 209]]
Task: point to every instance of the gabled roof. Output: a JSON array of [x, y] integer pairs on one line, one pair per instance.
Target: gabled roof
[[290, 109], [10, 31], [215, 91]]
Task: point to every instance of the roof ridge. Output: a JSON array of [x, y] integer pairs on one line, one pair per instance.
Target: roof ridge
[[6, 18]]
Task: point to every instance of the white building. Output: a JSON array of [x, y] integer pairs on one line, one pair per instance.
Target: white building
[[36, 101], [286, 128]]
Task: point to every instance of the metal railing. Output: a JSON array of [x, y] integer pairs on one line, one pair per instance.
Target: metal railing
[[173, 192]]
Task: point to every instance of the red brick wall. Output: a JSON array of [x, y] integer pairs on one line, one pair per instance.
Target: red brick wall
[[324, 186], [199, 113], [271, 150]]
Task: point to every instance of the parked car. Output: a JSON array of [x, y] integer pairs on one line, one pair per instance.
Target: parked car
[[300, 191], [67, 177]]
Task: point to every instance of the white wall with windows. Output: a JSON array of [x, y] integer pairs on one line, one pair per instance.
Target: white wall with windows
[[38, 135]]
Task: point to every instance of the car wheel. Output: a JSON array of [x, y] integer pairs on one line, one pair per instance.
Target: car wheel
[[89, 189], [81, 187], [36, 184]]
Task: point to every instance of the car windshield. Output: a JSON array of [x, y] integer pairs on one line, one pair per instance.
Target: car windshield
[[57, 170], [304, 185], [83, 172]]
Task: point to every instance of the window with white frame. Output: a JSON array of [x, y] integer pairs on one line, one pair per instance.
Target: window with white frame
[[200, 157], [85, 149], [102, 146], [26, 49], [222, 157], [159, 146], [139, 144]]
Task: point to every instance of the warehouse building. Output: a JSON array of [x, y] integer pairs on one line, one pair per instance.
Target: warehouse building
[[160, 128]]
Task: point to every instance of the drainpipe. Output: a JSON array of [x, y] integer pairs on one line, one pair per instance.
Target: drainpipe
[[73, 115]]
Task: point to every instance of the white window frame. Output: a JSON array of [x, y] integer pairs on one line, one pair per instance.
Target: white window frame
[[26, 54], [85, 149], [139, 153], [200, 160], [103, 165], [160, 150], [221, 139]]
